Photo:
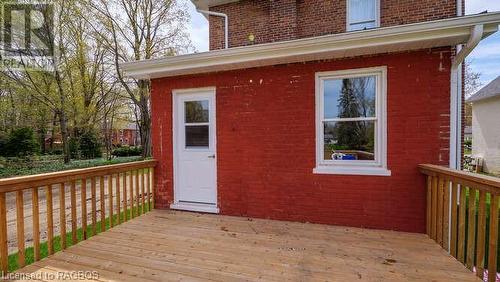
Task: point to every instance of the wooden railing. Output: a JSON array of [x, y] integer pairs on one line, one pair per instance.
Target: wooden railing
[[127, 188], [462, 216]]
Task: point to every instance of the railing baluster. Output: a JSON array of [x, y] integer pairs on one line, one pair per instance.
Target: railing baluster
[[471, 231], [36, 224], [454, 220], [124, 193], [103, 203], [440, 211], [118, 209], [481, 232], [493, 239], [461, 225], [148, 187], [94, 206], [142, 177], [152, 187], [446, 214], [131, 180], [110, 195], [434, 207], [62, 214], [4, 251], [137, 192], [74, 220], [50, 220], [21, 260], [429, 206], [83, 196]]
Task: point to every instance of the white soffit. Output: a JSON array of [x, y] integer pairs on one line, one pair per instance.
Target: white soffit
[[447, 32], [205, 4]]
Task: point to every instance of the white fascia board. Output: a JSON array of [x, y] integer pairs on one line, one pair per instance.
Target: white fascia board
[[206, 4], [447, 32]]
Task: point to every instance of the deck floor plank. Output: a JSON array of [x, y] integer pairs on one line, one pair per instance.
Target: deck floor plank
[[182, 246]]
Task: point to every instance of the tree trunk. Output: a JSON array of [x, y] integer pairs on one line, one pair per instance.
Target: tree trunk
[[145, 118], [64, 136]]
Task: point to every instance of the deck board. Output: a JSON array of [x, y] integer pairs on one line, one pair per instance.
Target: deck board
[[174, 246]]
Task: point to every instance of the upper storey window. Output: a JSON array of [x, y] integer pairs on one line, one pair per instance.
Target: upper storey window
[[363, 14]]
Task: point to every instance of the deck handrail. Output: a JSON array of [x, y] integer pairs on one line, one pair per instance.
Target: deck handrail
[[130, 193], [457, 212], [23, 182]]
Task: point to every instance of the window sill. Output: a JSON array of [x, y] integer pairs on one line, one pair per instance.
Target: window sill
[[374, 171]]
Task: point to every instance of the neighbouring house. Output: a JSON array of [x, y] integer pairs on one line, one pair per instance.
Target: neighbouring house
[[316, 111], [486, 126], [468, 133], [127, 135]]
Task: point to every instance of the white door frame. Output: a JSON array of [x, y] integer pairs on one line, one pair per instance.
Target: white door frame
[[176, 93]]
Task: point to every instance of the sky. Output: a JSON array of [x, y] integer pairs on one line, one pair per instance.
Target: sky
[[485, 59]]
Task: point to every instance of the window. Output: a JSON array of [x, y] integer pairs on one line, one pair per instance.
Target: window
[[363, 14], [351, 122], [196, 124]]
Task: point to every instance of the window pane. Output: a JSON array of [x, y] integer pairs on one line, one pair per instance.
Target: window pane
[[197, 136], [362, 10], [349, 140], [196, 111], [350, 97]]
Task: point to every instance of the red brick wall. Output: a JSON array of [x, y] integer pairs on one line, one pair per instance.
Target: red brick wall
[[263, 19], [266, 142]]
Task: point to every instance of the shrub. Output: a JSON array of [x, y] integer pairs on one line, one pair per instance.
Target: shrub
[[4, 140], [74, 148], [21, 142], [85, 146], [127, 151], [90, 146]]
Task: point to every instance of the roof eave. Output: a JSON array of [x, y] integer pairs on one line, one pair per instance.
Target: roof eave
[[448, 32]]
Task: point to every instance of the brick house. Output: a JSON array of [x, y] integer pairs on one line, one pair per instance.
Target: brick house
[[317, 111], [127, 135]]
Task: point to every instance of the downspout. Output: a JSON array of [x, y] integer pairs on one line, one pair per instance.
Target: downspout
[[226, 24], [456, 104], [456, 97]]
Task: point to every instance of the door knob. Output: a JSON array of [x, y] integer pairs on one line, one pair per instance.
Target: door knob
[[212, 156]]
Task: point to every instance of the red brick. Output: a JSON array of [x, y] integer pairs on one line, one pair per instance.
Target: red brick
[[266, 142], [276, 20]]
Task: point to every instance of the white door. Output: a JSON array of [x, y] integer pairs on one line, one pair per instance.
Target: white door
[[195, 183]]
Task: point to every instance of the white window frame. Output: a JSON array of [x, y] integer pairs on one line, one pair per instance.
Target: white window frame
[[348, 22], [349, 167]]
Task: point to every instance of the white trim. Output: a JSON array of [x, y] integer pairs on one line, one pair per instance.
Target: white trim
[[447, 32], [212, 208], [373, 171], [194, 207], [348, 10], [206, 4], [379, 165]]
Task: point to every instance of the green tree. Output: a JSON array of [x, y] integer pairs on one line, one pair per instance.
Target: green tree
[[349, 133], [22, 142]]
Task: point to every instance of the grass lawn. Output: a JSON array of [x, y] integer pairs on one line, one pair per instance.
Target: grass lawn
[[51, 163], [44, 252]]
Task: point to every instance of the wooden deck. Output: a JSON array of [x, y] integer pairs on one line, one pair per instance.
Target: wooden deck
[[167, 245]]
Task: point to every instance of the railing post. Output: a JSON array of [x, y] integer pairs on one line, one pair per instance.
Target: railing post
[[20, 228], [36, 224], [4, 254], [493, 240]]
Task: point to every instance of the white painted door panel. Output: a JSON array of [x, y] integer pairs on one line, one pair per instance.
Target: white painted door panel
[[195, 181]]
